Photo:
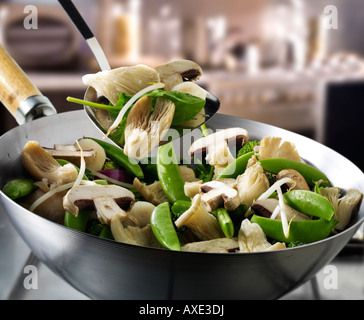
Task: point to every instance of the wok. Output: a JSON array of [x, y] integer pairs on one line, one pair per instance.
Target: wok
[[104, 269]]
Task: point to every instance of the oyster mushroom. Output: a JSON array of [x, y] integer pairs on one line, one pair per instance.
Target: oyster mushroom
[[275, 147], [178, 71], [41, 165], [129, 80], [251, 184], [222, 245], [217, 194], [152, 193], [300, 182], [108, 200], [346, 207], [132, 235], [251, 238], [144, 130], [203, 224]]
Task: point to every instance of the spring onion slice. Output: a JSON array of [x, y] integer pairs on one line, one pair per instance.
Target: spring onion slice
[[49, 194], [82, 167], [275, 212], [275, 187], [283, 213], [130, 103]]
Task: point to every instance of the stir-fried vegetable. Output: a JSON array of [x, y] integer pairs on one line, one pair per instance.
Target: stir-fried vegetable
[[234, 195], [19, 188]]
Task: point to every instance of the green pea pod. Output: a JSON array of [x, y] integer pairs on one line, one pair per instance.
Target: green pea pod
[[169, 174], [310, 203], [117, 155], [19, 188], [106, 233], [307, 231], [310, 173], [78, 223], [237, 167], [163, 227], [180, 206], [226, 224]]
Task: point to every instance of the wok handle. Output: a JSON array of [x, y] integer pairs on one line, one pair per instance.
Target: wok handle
[[18, 94]]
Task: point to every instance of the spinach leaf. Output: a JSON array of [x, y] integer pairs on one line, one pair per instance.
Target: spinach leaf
[[187, 105]]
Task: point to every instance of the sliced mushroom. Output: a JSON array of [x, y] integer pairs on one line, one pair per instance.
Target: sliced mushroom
[[69, 153], [93, 154], [41, 165], [300, 182], [144, 130], [217, 194], [178, 71], [222, 245], [203, 224], [215, 145], [266, 207], [108, 200], [129, 80], [98, 161], [191, 88]]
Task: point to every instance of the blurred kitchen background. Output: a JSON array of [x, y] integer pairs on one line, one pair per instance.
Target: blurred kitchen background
[[274, 61]]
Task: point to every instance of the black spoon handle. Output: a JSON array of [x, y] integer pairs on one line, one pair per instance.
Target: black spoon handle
[[76, 18]]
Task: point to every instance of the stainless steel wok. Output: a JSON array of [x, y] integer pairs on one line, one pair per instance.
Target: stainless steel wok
[[104, 269]]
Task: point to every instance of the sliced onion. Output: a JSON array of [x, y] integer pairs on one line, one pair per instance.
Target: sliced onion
[[283, 213], [117, 174], [52, 192], [275, 212], [82, 167], [111, 180], [275, 187]]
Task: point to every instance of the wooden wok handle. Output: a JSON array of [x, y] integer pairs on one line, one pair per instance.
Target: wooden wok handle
[[16, 88]]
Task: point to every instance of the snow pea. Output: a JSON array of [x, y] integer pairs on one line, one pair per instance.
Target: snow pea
[[19, 188], [225, 222], [117, 155], [237, 167], [310, 173], [180, 206], [106, 233], [300, 231], [169, 174], [163, 227], [78, 223], [310, 203]]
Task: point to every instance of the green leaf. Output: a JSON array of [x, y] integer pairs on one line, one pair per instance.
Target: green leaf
[[187, 105]]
